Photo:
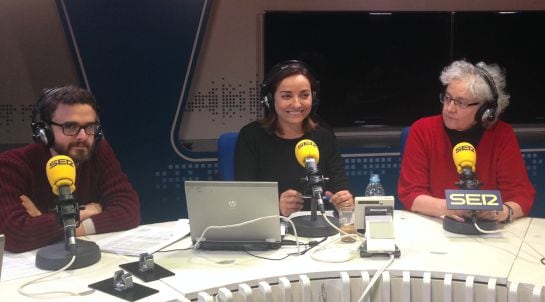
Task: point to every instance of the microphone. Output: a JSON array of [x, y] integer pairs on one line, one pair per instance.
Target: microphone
[[465, 160], [307, 155], [61, 174], [464, 156], [469, 197]]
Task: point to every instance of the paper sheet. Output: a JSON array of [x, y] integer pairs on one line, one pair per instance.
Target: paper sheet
[[19, 265], [143, 239]]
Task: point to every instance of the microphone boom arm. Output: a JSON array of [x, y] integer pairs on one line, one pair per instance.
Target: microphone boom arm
[[67, 209], [315, 182], [468, 181]]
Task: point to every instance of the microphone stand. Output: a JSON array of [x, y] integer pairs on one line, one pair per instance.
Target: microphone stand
[[56, 256], [315, 225], [468, 181]]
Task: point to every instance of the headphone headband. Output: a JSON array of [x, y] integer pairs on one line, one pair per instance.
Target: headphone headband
[[41, 128], [487, 112], [279, 71]]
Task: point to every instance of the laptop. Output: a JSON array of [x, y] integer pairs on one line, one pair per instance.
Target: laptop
[[222, 203], [2, 239]]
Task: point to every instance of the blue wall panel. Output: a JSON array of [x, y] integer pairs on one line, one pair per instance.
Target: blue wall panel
[[135, 55]]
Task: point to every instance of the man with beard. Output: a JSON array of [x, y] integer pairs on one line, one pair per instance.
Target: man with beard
[[65, 122]]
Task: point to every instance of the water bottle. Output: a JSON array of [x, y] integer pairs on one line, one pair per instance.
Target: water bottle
[[374, 188]]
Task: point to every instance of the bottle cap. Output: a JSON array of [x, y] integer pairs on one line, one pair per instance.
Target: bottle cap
[[374, 178]]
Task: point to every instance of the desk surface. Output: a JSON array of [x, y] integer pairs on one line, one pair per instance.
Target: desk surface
[[425, 249], [527, 267]]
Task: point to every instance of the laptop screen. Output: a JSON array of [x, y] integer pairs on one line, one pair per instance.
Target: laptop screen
[[222, 203]]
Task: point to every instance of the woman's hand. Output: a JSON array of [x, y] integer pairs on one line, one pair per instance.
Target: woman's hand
[[290, 201], [342, 199]]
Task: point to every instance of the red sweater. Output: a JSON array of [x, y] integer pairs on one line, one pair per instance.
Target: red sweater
[[22, 171], [427, 167]]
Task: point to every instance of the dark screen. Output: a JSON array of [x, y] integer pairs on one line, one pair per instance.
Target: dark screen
[[515, 41], [383, 69]]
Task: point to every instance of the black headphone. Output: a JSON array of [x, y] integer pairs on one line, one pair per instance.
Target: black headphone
[[41, 129], [487, 112], [276, 73]]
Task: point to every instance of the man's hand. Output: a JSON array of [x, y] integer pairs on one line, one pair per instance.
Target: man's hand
[[29, 206], [91, 209]]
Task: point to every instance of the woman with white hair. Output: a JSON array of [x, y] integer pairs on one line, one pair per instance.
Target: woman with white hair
[[473, 101]]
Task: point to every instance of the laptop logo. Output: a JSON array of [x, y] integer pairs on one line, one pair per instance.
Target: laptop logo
[[232, 204]]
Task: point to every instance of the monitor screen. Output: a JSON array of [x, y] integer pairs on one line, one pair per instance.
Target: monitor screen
[[383, 68], [516, 42]]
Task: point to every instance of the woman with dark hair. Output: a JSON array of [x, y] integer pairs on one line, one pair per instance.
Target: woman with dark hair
[[265, 149]]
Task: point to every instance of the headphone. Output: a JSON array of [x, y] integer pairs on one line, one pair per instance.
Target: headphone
[[276, 73], [41, 129], [487, 112]]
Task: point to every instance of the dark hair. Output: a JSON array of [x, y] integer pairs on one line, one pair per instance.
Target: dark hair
[[69, 95], [276, 75]]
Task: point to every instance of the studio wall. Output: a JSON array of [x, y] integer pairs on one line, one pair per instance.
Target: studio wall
[[171, 76]]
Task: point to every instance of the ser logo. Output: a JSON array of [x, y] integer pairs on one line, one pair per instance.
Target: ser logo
[[61, 162], [305, 143], [474, 200], [465, 148]]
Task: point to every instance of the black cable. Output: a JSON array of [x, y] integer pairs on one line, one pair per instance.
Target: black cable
[[174, 250], [310, 245], [543, 261]]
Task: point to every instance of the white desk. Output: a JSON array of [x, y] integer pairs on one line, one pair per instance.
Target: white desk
[[426, 251], [433, 265], [527, 271], [78, 281]]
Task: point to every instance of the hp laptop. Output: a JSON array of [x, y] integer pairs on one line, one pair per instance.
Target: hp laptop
[[224, 203]]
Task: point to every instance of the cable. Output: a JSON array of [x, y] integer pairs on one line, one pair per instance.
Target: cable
[[351, 256], [357, 236], [542, 260], [310, 245], [484, 231], [375, 278], [174, 250], [40, 295], [474, 220]]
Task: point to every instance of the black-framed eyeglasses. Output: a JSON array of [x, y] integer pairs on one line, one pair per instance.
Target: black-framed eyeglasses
[[446, 99], [72, 129]]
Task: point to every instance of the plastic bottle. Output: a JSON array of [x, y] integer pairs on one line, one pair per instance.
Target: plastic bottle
[[374, 188]]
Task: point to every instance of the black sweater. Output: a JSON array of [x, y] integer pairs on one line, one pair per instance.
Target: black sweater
[[260, 156]]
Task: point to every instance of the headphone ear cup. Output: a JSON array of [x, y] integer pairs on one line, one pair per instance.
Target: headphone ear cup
[[280, 69], [486, 112], [489, 114], [41, 132], [315, 101], [99, 134], [268, 103]]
